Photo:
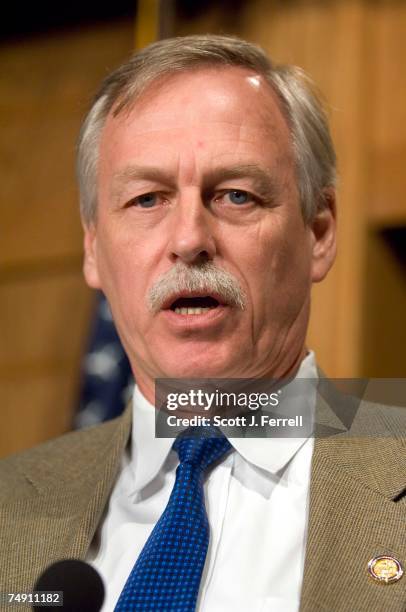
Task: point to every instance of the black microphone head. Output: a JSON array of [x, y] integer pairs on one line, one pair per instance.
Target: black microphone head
[[81, 585]]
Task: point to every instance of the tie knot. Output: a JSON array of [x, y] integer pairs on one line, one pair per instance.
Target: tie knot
[[201, 446]]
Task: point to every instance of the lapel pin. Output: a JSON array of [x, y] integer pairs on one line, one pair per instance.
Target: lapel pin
[[385, 569]]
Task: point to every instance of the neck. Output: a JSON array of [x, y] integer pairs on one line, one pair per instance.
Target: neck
[[284, 371], [289, 370]]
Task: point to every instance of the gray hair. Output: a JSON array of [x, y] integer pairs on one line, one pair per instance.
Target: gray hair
[[313, 148]]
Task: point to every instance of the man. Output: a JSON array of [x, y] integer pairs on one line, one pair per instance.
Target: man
[[207, 183]]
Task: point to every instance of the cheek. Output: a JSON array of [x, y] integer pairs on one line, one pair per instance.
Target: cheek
[[277, 268], [263, 254], [120, 276]]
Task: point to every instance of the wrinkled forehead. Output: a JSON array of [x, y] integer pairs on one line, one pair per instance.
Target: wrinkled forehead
[[188, 98]]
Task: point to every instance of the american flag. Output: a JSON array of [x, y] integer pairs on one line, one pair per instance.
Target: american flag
[[107, 381]]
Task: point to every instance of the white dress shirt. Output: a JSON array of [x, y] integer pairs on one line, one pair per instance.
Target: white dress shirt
[[257, 505]]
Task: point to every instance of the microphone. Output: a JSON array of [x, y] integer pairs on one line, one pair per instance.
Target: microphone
[[82, 587]]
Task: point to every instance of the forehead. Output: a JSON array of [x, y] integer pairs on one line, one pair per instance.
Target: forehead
[[202, 107]]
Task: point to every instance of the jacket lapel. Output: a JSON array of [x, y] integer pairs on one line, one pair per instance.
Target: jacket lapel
[[357, 512], [67, 485]]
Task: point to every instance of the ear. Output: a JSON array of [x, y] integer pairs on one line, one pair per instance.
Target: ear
[[323, 227], [90, 267]]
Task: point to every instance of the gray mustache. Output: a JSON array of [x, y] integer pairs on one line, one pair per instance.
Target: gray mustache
[[200, 277]]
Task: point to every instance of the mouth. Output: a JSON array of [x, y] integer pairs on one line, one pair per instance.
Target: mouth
[[193, 304]]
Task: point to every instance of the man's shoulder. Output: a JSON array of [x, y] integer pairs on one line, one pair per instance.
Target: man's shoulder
[[343, 404], [384, 417], [50, 461]]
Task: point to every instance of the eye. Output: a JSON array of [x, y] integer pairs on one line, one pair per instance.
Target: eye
[[146, 200], [236, 196]]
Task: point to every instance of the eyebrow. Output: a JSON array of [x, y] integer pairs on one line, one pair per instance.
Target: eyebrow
[[265, 183], [130, 174]]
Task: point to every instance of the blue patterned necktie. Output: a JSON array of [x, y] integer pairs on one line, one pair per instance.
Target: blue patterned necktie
[[166, 576]]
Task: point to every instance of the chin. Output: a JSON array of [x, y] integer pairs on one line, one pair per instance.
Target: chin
[[198, 366], [196, 372]]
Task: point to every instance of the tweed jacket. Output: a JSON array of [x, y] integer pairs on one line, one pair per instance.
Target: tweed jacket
[[52, 498]]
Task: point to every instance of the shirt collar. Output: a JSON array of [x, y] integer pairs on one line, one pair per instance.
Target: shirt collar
[[148, 453], [273, 454]]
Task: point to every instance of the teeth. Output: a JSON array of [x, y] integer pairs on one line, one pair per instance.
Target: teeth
[[193, 311]]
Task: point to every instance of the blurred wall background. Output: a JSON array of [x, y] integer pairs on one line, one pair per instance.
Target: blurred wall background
[[355, 50]]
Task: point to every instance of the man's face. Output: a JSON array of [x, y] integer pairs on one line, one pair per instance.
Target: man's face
[[202, 170]]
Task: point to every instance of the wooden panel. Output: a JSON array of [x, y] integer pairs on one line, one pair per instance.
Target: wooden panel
[[147, 22], [386, 188], [387, 102], [44, 328], [215, 18], [36, 408], [44, 323], [46, 84], [387, 50]]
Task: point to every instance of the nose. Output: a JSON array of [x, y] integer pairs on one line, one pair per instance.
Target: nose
[[192, 238]]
